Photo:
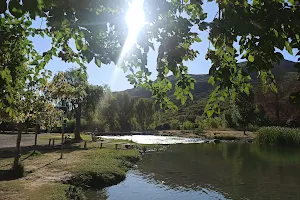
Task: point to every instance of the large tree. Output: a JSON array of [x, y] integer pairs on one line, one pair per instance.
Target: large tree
[[69, 89], [125, 110], [143, 112], [244, 109], [94, 95]]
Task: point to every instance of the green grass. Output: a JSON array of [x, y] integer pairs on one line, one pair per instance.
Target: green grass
[[279, 136], [91, 167], [99, 168]]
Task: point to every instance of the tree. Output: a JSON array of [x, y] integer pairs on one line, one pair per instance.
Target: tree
[[108, 110], [244, 111], [278, 105], [144, 111], [248, 23], [102, 42], [125, 110], [69, 88], [94, 94]]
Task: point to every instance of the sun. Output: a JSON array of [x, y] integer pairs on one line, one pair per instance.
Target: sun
[[135, 19]]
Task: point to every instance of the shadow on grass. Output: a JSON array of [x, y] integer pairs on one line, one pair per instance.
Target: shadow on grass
[[7, 175], [9, 152]]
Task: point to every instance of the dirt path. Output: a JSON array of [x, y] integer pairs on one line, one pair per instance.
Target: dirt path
[[9, 140]]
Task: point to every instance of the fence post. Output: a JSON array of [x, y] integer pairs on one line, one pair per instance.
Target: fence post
[[116, 146], [49, 142], [84, 145], [101, 145], [53, 141]]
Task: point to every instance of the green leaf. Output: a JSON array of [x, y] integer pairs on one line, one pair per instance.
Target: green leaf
[[292, 1], [250, 58], [98, 61], [288, 47], [197, 39], [210, 113], [274, 87], [28, 23], [79, 44]]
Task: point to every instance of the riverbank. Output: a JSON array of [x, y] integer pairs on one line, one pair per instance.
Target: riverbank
[[231, 135], [48, 177]]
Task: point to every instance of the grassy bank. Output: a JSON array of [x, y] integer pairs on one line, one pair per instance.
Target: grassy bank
[[279, 136], [48, 177]]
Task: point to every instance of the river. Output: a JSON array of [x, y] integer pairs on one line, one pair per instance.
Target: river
[[210, 171]]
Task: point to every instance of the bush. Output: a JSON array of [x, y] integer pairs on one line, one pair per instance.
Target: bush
[[278, 136], [188, 125], [175, 124], [208, 123], [198, 131]]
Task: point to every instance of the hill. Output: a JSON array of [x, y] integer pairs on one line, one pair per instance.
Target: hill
[[203, 88]]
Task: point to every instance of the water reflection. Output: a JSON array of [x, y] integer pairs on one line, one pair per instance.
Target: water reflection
[[207, 171]]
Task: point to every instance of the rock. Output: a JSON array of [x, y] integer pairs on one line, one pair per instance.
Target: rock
[[216, 141], [206, 141], [249, 141]]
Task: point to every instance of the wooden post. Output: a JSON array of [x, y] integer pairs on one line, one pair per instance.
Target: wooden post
[[53, 141], [50, 142], [62, 140], [101, 145], [116, 146], [84, 144]]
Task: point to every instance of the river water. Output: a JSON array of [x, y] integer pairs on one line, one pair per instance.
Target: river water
[[211, 171]]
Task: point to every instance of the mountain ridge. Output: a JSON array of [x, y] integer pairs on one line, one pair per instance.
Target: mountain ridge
[[203, 88]]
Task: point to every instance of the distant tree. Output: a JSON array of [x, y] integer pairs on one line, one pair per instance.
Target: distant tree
[[125, 110], [94, 94], [108, 111], [144, 111], [244, 109], [175, 124]]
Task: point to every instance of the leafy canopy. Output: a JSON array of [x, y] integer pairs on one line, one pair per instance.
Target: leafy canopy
[[259, 27]]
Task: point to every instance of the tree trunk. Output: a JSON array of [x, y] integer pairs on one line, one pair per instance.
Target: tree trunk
[[18, 147], [78, 123], [37, 131]]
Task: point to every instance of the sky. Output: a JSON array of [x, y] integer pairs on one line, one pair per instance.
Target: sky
[[115, 77]]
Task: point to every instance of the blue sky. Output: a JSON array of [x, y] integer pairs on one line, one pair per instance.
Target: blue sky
[[115, 77]]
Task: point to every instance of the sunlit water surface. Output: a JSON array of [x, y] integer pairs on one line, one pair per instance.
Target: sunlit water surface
[[210, 171], [154, 139]]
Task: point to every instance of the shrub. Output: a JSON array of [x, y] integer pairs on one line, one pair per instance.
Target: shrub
[[198, 131], [175, 124], [278, 136], [188, 125], [207, 123]]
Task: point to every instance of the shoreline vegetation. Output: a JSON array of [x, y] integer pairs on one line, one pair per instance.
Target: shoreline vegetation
[[278, 136], [48, 177]]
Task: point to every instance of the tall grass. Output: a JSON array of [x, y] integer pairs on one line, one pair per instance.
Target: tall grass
[[279, 136]]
